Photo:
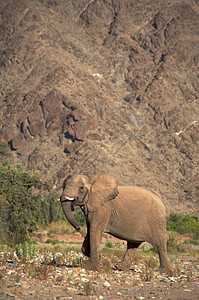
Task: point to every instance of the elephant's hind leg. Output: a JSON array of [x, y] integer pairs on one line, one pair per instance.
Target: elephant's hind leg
[[164, 264], [161, 246], [127, 260]]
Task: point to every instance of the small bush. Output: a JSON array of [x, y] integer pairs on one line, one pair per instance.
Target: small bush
[[42, 271], [26, 251], [53, 242], [150, 263]]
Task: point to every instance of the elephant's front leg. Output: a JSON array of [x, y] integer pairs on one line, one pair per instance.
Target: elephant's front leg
[[98, 223], [95, 239]]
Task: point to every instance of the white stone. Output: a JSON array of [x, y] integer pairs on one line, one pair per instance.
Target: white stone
[[84, 279], [83, 270], [107, 284], [172, 279]]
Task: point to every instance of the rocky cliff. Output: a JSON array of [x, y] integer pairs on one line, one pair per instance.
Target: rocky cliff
[[104, 86]]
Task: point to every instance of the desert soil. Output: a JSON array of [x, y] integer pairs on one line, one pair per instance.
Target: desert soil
[[70, 281]]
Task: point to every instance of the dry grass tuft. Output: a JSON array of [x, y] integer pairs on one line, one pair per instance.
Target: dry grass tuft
[[105, 265], [89, 288], [42, 271], [175, 271], [150, 263]]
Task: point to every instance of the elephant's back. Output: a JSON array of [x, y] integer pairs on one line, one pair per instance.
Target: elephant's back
[[139, 198]]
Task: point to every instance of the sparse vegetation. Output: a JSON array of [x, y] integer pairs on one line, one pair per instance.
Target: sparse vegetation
[[60, 227], [53, 241], [42, 271], [175, 246], [56, 263], [111, 253], [181, 223], [26, 251]]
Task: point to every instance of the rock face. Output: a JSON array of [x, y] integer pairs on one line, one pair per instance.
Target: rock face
[[104, 86]]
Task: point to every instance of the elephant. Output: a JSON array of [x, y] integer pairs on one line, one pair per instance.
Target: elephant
[[130, 213]]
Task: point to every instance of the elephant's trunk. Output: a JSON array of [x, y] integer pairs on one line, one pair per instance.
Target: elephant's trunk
[[68, 211]]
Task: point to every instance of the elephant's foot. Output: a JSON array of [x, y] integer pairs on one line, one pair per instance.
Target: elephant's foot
[[94, 266], [128, 258], [122, 267]]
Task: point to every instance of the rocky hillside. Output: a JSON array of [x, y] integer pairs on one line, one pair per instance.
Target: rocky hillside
[[110, 86]]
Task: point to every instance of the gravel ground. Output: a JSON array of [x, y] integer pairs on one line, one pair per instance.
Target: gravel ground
[[39, 281]]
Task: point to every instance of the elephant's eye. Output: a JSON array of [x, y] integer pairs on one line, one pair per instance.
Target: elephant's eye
[[81, 188]]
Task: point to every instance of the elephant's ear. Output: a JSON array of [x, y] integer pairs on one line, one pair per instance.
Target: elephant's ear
[[103, 189]]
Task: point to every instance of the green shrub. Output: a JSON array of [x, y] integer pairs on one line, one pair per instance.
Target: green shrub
[[16, 203], [26, 251], [47, 210], [183, 224], [21, 204]]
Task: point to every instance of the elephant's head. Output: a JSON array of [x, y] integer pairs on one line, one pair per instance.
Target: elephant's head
[[89, 193]]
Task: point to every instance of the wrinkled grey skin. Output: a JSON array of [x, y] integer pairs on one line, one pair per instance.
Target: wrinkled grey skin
[[129, 213]]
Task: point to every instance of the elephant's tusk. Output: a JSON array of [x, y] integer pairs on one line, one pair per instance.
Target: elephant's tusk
[[70, 199]]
